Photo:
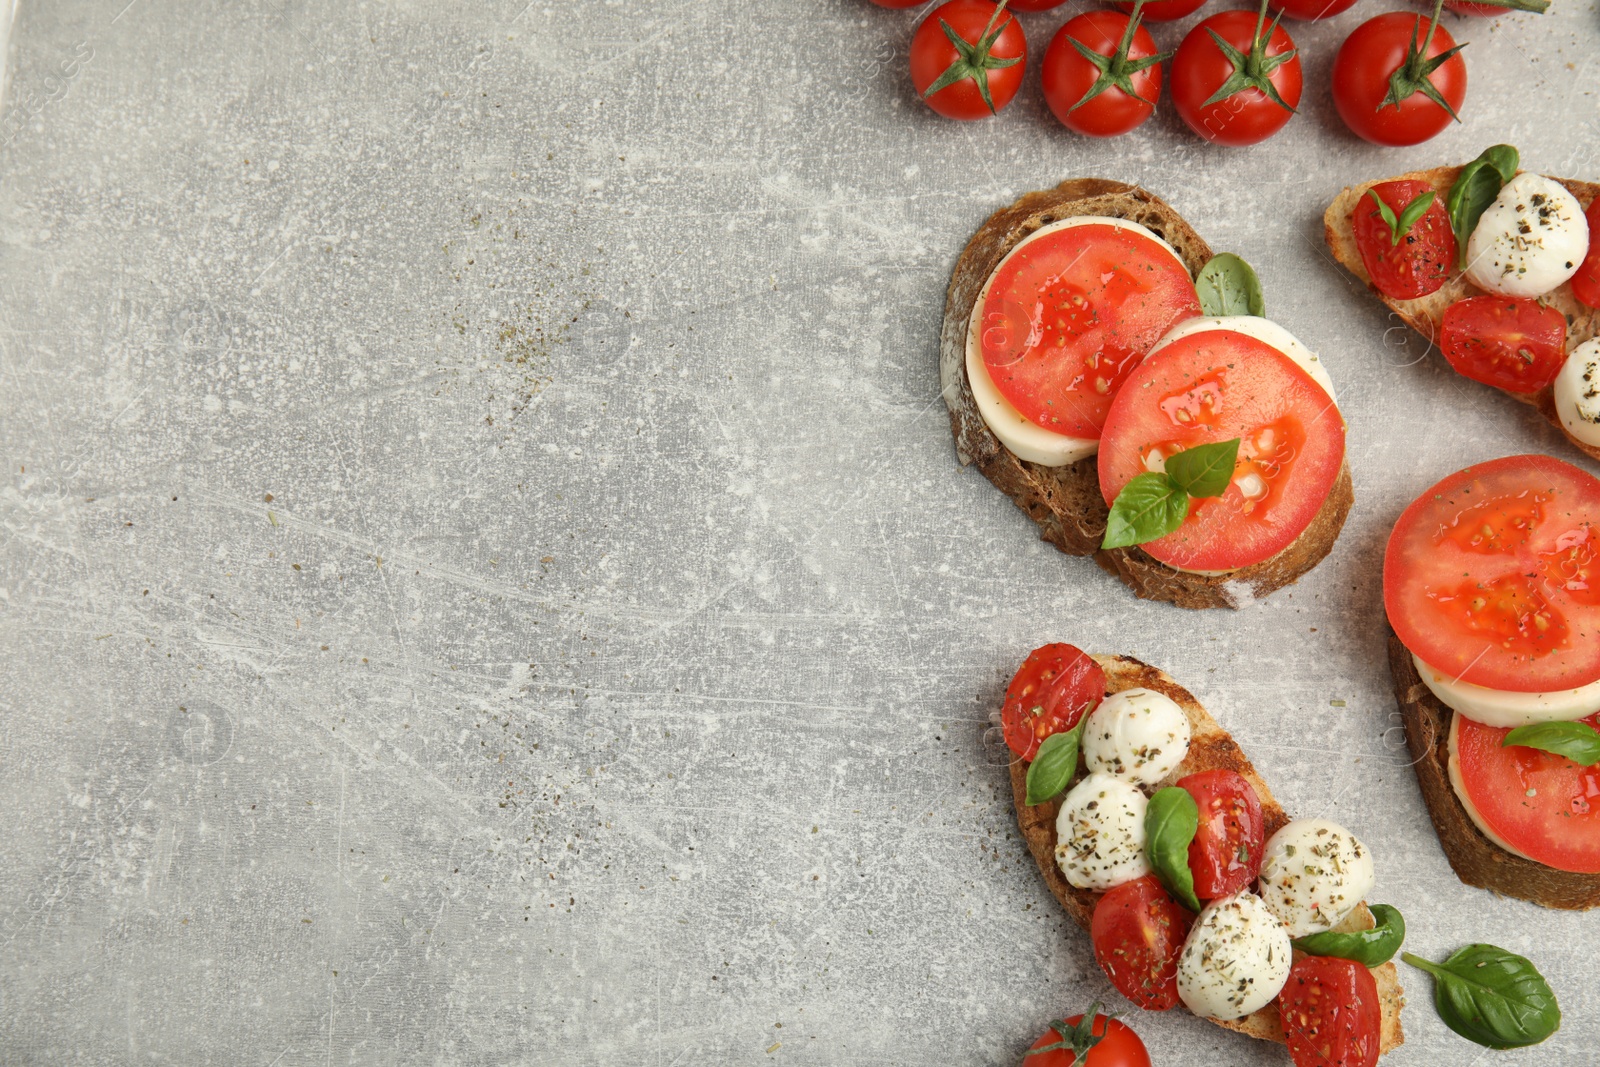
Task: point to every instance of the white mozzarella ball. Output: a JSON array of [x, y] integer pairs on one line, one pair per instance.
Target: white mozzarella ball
[[1530, 240], [1100, 833], [1236, 959], [1137, 735], [1577, 393], [1314, 874]]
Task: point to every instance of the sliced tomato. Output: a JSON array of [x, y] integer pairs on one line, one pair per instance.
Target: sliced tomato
[[1055, 687], [1138, 931], [1215, 386], [1491, 576], [1331, 1013], [1225, 855], [1543, 805], [1421, 261], [1515, 345], [1070, 313], [1586, 283]]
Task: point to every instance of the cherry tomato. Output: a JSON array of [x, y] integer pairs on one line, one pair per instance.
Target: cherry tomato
[[1511, 344], [1586, 283], [1105, 1042], [1055, 687], [1164, 10], [899, 3], [1370, 56], [1225, 855], [1421, 262], [981, 77], [1490, 577], [1200, 69], [1312, 10], [1138, 932], [1331, 1013], [1033, 5], [1069, 78]]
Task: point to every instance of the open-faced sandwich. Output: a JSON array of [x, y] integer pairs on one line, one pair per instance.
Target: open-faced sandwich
[[1119, 383], [1195, 886], [1491, 582], [1497, 267]]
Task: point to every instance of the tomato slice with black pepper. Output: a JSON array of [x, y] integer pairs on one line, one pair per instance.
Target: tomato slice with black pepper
[[1515, 345], [1225, 855], [1586, 283], [1055, 687], [1214, 386], [1331, 1013], [1492, 576], [1138, 932], [1420, 262], [1070, 312]]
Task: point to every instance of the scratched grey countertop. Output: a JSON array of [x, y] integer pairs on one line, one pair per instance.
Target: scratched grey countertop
[[485, 577]]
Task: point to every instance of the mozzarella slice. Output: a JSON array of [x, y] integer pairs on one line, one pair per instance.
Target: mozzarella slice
[[1456, 783], [1505, 708], [1577, 393], [1025, 439], [1314, 874], [1100, 833], [1264, 330], [1236, 959], [1530, 240], [1137, 735]]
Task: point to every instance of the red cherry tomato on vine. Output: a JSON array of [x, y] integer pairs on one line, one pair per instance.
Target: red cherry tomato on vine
[[1164, 10], [1370, 57], [980, 77], [1105, 1042], [1586, 283], [1265, 58], [1311, 10], [1418, 263], [1515, 345], [1129, 61]]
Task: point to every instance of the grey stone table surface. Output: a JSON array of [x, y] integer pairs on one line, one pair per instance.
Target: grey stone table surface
[[486, 578]]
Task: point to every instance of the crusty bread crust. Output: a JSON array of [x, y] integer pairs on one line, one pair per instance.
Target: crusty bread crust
[[1065, 502], [1210, 748], [1425, 314], [1477, 860]]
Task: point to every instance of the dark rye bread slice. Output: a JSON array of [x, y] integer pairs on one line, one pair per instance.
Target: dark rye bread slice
[[1065, 502], [1425, 313], [1210, 748], [1477, 860]]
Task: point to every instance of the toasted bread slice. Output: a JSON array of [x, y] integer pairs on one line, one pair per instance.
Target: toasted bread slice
[[1065, 502], [1477, 860], [1425, 313], [1210, 748]]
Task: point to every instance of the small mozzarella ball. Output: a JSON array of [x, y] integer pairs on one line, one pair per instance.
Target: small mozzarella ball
[[1314, 874], [1530, 240], [1577, 393], [1137, 735], [1236, 959], [1100, 833]]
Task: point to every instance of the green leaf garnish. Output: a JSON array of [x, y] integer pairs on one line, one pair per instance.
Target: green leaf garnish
[[1401, 225], [1227, 285], [1170, 823], [1054, 764], [1155, 503], [1578, 741], [1204, 470], [973, 59], [1493, 997], [1475, 189], [1370, 948]]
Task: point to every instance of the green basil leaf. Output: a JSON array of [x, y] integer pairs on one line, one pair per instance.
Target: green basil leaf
[[1578, 741], [1148, 507], [1475, 189], [1412, 212], [1054, 764], [1386, 213], [1170, 823], [1370, 948], [1227, 285], [1493, 997], [1204, 470]]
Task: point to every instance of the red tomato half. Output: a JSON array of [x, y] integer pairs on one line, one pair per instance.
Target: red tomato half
[[1119, 1046], [1067, 76], [1331, 1013], [1055, 687], [1200, 68], [932, 54], [1420, 264], [1516, 345], [1165, 10], [1138, 931], [1069, 314], [1215, 386], [1586, 283], [1312, 9], [1490, 576], [1361, 72], [1541, 804], [1225, 855]]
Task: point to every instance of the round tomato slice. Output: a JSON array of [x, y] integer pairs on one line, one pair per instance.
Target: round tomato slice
[[1586, 283], [1515, 345], [1541, 804], [1331, 1013], [1225, 855], [1071, 312], [1138, 932], [1055, 687], [1215, 386], [1419, 263], [1491, 576]]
